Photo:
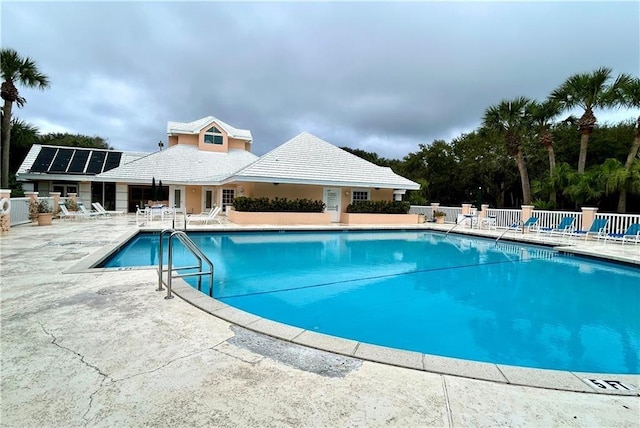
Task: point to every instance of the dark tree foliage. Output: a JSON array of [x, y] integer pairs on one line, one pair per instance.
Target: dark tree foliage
[[74, 140]]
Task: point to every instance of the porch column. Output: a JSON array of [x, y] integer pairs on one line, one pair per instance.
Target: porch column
[[434, 207], [466, 209], [588, 215], [5, 218], [483, 212], [526, 213], [56, 202]]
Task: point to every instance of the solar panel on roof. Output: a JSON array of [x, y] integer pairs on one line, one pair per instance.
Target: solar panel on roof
[[79, 161], [43, 160], [113, 160], [61, 161], [96, 162]]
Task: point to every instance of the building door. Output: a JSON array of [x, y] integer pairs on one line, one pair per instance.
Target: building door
[[176, 197], [208, 199], [331, 199]]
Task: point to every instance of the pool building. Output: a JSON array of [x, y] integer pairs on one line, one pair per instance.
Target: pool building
[[207, 163]]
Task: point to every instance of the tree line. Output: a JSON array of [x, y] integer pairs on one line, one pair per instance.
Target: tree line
[[524, 152]]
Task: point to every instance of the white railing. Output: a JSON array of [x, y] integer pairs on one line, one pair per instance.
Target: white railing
[[427, 211], [505, 218], [19, 211], [619, 223], [451, 213], [551, 219]]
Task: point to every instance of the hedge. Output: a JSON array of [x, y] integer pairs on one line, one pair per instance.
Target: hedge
[[244, 203], [379, 207]]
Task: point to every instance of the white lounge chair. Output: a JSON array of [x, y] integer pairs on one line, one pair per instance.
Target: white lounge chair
[[632, 234], [89, 214], [65, 214], [205, 217], [99, 208], [565, 227], [598, 229]]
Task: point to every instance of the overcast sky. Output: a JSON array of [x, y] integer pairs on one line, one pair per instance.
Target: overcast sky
[[382, 77]]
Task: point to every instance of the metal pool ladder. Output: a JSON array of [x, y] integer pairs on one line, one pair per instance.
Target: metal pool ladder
[[193, 248]]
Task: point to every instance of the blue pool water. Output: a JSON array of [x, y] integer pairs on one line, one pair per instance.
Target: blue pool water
[[420, 291]]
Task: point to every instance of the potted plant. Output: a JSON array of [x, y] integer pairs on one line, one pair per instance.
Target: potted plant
[[40, 211], [439, 216]]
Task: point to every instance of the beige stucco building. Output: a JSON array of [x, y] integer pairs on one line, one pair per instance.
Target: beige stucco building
[[209, 162]]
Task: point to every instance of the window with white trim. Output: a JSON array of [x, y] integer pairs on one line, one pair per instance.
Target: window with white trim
[[228, 195], [359, 195], [213, 136]]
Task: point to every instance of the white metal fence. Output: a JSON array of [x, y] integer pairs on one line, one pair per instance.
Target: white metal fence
[[551, 219], [19, 211], [505, 218], [619, 223]]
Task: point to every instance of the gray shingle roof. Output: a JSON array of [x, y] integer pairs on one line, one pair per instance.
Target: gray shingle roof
[[196, 126], [307, 159], [181, 164]]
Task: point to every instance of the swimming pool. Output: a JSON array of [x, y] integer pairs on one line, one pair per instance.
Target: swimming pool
[[453, 295]]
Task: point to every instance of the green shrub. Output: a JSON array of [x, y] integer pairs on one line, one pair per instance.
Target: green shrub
[[379, 207], [244, 203]]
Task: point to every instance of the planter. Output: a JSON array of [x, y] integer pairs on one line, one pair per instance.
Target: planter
[[45, 219], [440, 219]]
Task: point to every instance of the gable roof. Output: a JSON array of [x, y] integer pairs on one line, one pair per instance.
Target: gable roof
[[197, 125], [307, 159], [181, 164]]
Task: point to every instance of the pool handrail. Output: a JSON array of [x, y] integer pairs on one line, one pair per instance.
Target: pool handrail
[[194, 249]]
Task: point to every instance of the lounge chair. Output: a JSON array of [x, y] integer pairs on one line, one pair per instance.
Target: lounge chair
[[99, 208], [65, 214], [528, 226], [86, 213], [632, 234], [597, 229], [564, 227], [205, 217]]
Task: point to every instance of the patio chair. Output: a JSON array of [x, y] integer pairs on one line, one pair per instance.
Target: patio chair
[[564, 227], [632, 234], [597, 229], [65, 214], [528, 226], [99, 208], [205, 217], [86, 213]]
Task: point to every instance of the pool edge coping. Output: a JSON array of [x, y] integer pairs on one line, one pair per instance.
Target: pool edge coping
[[483, 371]]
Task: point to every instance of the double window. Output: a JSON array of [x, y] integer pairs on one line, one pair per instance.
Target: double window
[[213, 136]]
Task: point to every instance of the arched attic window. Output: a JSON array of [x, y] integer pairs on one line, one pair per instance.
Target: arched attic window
[[213, 136]]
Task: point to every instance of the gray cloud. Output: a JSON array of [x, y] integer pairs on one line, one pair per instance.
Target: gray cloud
[[384, 77]]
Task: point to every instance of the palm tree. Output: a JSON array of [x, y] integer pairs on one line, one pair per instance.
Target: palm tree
[[629, 93], [587, 187], [15, 69], [588, 91], [543, 115], [511, 118], [618, 178]]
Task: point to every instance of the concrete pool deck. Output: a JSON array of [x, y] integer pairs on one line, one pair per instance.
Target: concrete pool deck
[[103, 348]]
